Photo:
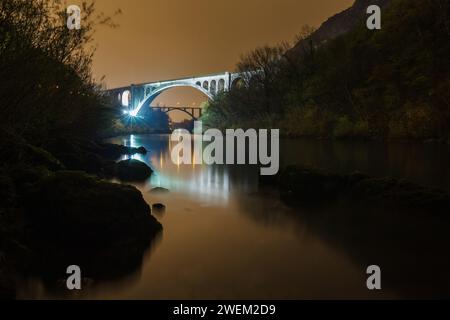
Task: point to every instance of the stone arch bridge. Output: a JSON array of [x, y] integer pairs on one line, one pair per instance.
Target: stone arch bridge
[[137, 96]]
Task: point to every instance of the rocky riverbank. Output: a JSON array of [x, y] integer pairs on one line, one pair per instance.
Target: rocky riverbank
[[57, 209], [309, 187], [398, 225]]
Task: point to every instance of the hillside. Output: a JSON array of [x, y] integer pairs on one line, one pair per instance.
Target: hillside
[[341, 23], [359, 83]]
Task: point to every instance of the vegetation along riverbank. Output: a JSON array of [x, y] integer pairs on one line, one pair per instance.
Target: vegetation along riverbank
[[54, 204], [345, 81]]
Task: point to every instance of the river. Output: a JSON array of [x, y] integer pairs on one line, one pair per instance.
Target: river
[[226, 237]]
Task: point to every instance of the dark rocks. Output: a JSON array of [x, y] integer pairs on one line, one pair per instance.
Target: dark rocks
[[114, 151], [41, 157], [88, 162], [402, 194], [158, 208], [133, 170], [74, 208], [78, 155], [103, 227], [141, 150], [51, 218], [92, 157], [159, 190], [16, 151], [305, 186]]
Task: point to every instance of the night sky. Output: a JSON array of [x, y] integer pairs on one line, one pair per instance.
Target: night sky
[[166, 39]]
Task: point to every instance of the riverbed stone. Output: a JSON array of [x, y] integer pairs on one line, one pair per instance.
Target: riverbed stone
[[158, 207], [133, 170], [159, 190]]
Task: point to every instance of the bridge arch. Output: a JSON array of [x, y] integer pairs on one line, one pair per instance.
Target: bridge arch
[[148, 100], [125, 98], [182, 110], [238, 82], [185, 110], [221, 85], [213, 87]]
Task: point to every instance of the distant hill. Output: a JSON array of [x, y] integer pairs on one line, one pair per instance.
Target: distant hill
[[340, 23]]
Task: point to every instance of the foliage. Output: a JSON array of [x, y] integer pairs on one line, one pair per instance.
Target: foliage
[[46, 87], [389, 83]]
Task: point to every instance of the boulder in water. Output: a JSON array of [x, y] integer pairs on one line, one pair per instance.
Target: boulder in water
[[133, 170]]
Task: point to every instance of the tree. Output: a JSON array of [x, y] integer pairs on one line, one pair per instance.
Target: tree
[[46, 84]]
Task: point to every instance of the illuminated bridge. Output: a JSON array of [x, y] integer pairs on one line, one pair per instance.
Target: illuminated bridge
[[138, 96]]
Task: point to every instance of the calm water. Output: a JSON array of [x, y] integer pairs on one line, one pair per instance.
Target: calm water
[[225, 237]]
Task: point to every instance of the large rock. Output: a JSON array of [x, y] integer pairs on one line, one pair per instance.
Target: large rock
[[92, 157], [133, 170], [305, 186], [159, 190], [74, 208], [76, 219]]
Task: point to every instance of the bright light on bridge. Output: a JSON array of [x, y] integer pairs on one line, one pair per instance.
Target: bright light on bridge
[[132, 114], [134, 97]]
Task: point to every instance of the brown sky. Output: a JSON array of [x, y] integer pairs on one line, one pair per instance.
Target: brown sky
[[166, 39]]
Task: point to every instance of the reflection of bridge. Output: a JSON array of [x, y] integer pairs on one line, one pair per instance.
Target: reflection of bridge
[[135, 97], [194, 112]]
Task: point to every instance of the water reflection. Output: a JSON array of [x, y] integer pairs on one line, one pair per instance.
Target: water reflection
[[225, 237], [213, 183], [112, 267], [348, 241], [423, 163]]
